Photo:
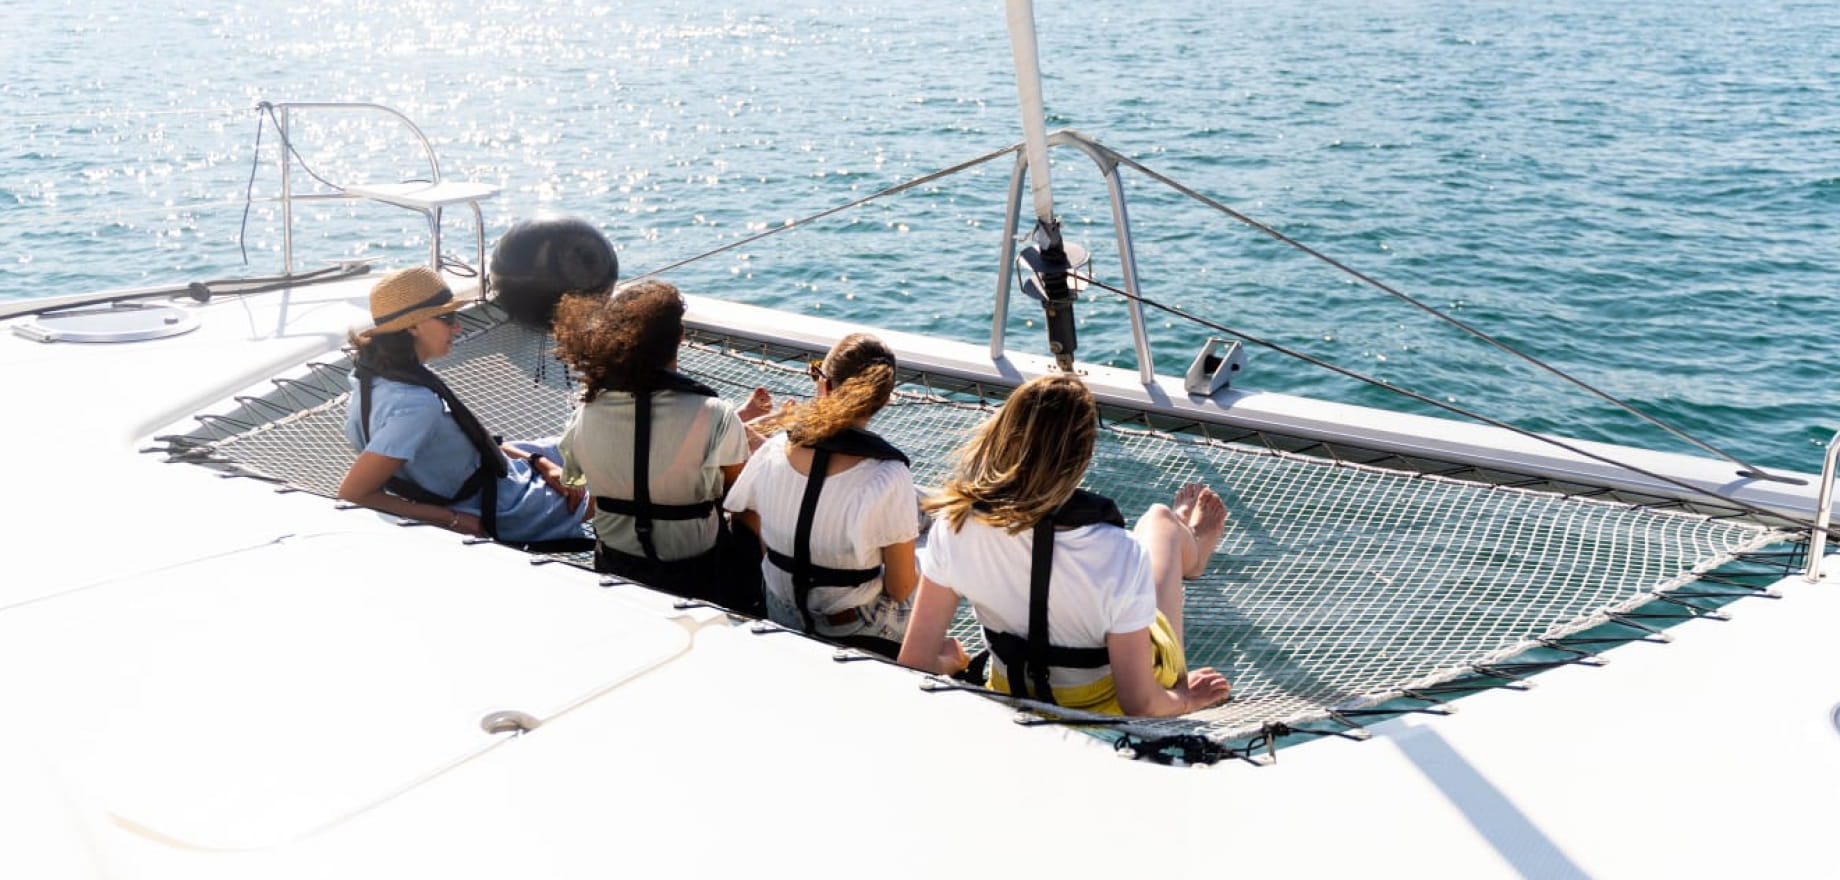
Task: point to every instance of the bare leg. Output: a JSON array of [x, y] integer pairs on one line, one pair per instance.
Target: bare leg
[[1206, 515], [1167, 539], [1179, 541]]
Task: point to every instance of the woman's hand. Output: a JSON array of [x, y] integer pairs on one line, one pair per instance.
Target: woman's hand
[[551, 472], [1139, 693], [759, 405], [952, 657], [364, 483], [1206, 686]]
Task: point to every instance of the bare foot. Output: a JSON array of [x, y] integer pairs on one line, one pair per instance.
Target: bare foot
[[1206, 516], [758, 404]]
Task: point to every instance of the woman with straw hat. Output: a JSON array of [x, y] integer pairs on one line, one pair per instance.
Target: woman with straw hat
[[421, 453]]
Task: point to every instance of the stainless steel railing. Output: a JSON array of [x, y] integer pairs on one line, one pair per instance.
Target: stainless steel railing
[[1121, 222], [289, 197], [1823, 511]]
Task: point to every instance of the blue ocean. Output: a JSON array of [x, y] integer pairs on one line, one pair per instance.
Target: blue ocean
[[1644, 194]]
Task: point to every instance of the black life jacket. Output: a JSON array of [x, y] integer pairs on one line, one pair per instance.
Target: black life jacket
[[640, 506], [483, 481], [806, 575], [1029, 659]]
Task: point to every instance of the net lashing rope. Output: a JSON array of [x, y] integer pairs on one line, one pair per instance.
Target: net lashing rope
[[1339, 587]]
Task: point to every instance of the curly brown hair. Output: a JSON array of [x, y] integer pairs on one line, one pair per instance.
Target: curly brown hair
[[1024, 462], [860, 370], [622, 341]]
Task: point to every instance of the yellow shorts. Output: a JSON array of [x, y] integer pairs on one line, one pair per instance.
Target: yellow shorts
[[1102, 695]]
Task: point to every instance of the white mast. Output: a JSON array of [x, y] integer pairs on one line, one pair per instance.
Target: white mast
[[1046, 257], [1034, 115]]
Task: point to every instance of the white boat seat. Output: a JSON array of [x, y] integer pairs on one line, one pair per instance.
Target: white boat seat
[[429, 199]]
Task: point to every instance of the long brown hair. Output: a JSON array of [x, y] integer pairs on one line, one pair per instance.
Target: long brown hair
[[621, 341], [1024, 462], [860, 370]]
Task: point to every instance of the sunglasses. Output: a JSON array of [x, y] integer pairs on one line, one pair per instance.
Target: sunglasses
[[816, 369], [450, 319]]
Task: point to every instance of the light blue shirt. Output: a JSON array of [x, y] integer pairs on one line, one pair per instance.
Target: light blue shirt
[[410, 423]]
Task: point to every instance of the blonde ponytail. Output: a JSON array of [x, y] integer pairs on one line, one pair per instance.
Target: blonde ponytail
[[860, 370]]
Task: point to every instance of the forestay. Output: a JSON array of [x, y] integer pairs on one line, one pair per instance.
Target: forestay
[[1339, 587]]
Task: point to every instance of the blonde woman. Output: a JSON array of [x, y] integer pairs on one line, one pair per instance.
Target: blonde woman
[[1013, 529], [833, 505]]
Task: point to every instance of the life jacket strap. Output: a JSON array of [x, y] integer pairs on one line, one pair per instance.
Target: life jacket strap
[[642, 476], [801, 536], [630, 507], [482, 481], [805, 574], [1029, 659], [1013, 649], [640, 506], [1036, 664], [867, 444], [822, 576]]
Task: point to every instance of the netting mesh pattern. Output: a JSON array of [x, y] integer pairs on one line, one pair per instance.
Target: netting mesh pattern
[[1337, 585]]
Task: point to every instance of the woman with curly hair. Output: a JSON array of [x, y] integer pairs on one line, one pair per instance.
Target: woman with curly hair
[[1013, 523], [656, 448], [834, 506], [421, 453]]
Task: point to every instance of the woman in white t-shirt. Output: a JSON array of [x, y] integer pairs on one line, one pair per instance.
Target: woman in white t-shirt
[[1113, 625], [839, 557]]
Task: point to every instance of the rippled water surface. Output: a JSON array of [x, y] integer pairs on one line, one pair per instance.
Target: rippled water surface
[[1645, 194]]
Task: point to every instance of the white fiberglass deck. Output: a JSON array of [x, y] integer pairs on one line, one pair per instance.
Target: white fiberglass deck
[[1718, 751]]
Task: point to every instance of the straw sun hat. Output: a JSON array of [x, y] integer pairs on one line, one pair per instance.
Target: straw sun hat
[[408, 297]]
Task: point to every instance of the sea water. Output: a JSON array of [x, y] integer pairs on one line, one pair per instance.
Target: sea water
[[1644, 195]]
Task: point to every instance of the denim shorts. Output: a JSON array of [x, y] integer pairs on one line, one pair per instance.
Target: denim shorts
[[883, 618]]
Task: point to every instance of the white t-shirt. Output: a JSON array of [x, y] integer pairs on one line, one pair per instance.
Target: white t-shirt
[[862, 509], [693, 437], [1101, 584]]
